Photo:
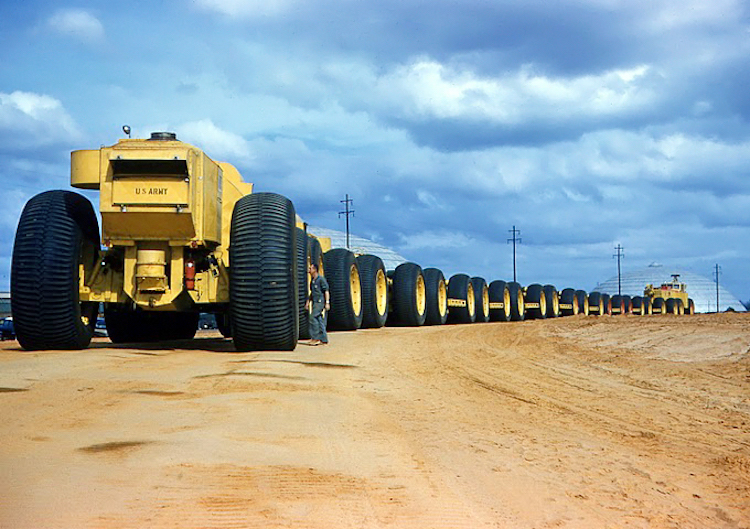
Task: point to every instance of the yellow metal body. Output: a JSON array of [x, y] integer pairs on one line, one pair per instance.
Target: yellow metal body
[[161, 202], [670, 289]]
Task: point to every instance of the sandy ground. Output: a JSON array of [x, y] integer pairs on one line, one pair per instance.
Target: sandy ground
[[580, 422]]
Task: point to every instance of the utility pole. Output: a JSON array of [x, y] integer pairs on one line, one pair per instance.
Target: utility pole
[[717, 272], [514, 240], [347, 212], [620, 254]]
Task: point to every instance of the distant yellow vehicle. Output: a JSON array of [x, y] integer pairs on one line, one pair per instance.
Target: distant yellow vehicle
[[670, 297]]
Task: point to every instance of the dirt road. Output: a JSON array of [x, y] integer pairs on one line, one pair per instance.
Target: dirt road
[[579, 422]]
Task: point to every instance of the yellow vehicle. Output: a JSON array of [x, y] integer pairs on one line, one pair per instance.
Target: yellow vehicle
[[182, 234], [174, 223], [670, 297]]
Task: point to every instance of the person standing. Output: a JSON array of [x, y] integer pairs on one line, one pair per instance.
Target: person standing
[[320, 297]]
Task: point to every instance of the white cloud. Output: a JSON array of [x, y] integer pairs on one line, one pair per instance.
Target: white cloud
[[666, 15], [77, 23], [29, 119], [248, 8], [431, 201], [217, 143], [426, 88]]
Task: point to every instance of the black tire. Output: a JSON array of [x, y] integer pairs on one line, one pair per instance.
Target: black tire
[[121, 324], [224, 324], [374, 291], [535, 301], [671, 305], [263, 285], [628, 304], [553, 301], [409, 295], [481, 300], [57, 231], [583, 302], [436, 292], [184, 325], [690, 309], [316, 254], [499, 294], [461, 302], [517, 302], [303, 260], [637, 306], [345, 284], [647, 306], [618, 305], [606, 304], [675, 306], [568, 302], [658, 306], [126, 325], [596, 304]]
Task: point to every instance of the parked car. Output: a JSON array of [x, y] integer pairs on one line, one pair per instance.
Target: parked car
[[100, 329], [207, 321], [6, 329]]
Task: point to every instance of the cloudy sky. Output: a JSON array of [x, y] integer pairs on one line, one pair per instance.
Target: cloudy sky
[[585, 124]]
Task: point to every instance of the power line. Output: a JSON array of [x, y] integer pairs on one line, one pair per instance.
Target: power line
[[347, 212], [620, 254], [514, 240]]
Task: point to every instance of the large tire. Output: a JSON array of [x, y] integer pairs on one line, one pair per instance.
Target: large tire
[[675, 306], [658, 306], [606, 304], [436, 292], [345, 285], [56, 233], [316, 254], [637, 306], [690, 309], [224, 324], [627, 304], [481, 300], [583, 302], [646, 306], [263, 285], [535, 302], [499, 294], [127, 325], [461, 302], [409, 295], [374, 291], [553, 301], [618, 305], [596, 304], [569, 302], [303, 287], [121, 323], [517, 302], [184, 325]]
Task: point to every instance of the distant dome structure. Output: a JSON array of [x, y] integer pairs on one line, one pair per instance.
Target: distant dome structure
[[701, 289], [360, 245]]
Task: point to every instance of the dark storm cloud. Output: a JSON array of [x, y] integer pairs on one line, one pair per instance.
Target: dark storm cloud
[[563, 42], [560, 37]]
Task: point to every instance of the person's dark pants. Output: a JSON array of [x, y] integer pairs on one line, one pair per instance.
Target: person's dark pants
[[318, 327]]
